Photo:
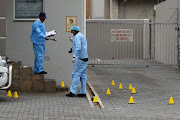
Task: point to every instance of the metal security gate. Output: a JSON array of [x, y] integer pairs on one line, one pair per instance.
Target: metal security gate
[[132, 42]]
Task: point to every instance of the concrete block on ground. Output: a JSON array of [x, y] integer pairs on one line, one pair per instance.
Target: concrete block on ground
[[37, 77], [25, 85], [61, 89], [16, 69], [26, 73], [15, 84], [50, 86], [37, 83]]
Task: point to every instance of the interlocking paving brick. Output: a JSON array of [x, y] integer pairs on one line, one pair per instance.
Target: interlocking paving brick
[[154, 86]]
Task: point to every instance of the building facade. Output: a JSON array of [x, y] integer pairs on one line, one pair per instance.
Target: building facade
[[122, 9], [3, 26], [15, 40]]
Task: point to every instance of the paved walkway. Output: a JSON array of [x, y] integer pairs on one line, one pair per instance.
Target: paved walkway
[[154, 87]]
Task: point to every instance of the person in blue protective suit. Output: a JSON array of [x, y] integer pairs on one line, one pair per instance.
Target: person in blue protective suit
[[38, 38], [80, 61]]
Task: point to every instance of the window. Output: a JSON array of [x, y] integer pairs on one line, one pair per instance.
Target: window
[[28, 9]]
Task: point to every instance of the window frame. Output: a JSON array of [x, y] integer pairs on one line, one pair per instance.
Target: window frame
[[4, 18], [24, 19]]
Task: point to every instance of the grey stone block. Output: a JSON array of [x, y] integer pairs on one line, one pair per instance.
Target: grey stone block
[[37, 85], [49, 86], [16, 69], [59, 89], [15, 84], [26, 85], [37, 77], [25, 73]]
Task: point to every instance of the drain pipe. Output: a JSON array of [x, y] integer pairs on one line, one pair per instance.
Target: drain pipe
[[123, 9]]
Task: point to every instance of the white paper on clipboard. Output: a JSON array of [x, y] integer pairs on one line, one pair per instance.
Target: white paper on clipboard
[[53, 32]]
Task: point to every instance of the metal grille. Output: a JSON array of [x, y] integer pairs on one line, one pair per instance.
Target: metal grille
[[147, 44], [47, 58]]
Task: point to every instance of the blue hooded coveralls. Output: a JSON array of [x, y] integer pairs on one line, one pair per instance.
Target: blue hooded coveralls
[[79, 49], [38, 39]]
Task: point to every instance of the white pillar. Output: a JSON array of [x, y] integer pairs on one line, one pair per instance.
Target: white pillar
[[111, 9]]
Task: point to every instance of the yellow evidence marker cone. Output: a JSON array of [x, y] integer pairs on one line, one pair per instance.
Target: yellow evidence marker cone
[[15, 95], [108, 92], [130, 87], [133, 90], [9, 94], [95, 99], [120, 86], [131, 101], [62, 84], [112, 83], [171, 101]]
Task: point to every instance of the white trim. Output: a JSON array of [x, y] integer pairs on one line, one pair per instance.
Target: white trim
[[44, 5], [13, 9], [6, 27], [2, 37], [28, 19], [25, 19], [146, 39], [2, 18], [84, 17], [111, 7], [116, 19]]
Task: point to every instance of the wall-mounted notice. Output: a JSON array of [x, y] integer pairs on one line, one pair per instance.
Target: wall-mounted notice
[[121, 34], [70, 21]]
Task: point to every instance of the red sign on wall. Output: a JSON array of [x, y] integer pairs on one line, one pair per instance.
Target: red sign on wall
[[122, 34]]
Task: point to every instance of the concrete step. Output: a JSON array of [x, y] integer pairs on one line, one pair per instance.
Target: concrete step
[[59, 89], [26, 85], [50, 86], [25, 73], [15, 76], [37, 83], [25, 79]]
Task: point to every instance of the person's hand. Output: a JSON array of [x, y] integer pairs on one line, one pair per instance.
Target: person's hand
[[53, 39], [46, 38], [74, 59], [70, 38], [70, 51]]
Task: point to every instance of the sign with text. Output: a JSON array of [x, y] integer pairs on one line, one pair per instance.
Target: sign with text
[[70, 21], [121, 34]]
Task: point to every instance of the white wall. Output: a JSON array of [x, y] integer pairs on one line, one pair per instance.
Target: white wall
[[97, 9], [19, 46], [165, 11], [131, 9], [166, 35], [134, 8], [114, 9]]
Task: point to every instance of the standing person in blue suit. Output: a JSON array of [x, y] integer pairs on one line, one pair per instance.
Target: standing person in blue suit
[[80, 61], [38, 38]]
